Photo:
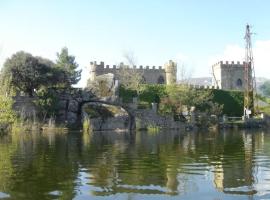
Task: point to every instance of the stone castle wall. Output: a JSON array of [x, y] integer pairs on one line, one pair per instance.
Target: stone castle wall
[[229, 75], [150, 75]]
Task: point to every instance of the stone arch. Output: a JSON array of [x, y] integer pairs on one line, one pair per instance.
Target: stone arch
[[160, 80], [131, 123], [239, 83]]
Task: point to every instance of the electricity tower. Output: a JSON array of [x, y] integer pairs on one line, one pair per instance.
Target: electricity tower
[[250, 79]]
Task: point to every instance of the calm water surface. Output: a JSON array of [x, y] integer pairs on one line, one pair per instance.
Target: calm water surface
[[165, 165]]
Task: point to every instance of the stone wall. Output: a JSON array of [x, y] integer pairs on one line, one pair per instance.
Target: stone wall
[[25, 107], [151, 75], [149, 117], [229, 75]]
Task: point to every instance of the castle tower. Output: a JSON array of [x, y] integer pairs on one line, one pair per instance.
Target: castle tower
[[170, 70], [93, 67], [229, 75]]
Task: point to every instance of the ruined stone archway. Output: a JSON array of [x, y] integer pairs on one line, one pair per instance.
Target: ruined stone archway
[[131, 121]]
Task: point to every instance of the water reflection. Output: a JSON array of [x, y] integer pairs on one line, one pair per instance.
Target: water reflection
[[205, 165]]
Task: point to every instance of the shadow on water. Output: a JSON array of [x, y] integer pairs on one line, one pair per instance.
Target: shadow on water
[[205, 165]]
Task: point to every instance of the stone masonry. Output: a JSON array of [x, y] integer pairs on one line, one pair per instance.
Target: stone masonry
[[153, 75], [229, 75]]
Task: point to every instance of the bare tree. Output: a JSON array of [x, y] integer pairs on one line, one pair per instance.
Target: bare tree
[[129, 76], [185, 74]]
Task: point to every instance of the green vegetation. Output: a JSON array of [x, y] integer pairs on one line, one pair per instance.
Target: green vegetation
[[176, 98], [86, 125], [127, 94], [47, 103], [28, 73], [35, 77], [7, 115], [95, 111], [66, 64], [233, 102]]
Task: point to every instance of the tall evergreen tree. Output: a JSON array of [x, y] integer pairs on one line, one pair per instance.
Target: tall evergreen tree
[[68, 65]]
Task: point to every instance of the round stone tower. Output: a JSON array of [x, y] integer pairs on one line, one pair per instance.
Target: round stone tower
[[93, 67], [170, 70]]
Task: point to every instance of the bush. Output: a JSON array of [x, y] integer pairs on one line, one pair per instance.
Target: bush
[[127, 94], [152, 93], [7, 115], [232, 101], [174, 98]]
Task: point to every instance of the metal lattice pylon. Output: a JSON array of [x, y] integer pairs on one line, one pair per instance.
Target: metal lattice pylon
[[249, 76]]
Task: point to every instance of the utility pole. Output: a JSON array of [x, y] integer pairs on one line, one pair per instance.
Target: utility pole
[[249, 76]]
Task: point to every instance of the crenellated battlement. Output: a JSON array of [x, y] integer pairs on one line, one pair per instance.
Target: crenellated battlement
[[102, 65], [149, 74], [229, 63]]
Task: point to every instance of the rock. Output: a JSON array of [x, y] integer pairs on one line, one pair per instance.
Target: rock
[[71, 117], [73, 106]]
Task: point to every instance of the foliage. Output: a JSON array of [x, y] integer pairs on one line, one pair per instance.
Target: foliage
[[47, 102], [127, 94], [174, 99], [152, 93], [27, 73], [95, 111], [86, 125], [232, 101], [66, 63], [7, 115], [265, 88], [182, 98]]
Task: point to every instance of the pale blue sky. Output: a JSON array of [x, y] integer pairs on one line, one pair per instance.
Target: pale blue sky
[[196, 33]]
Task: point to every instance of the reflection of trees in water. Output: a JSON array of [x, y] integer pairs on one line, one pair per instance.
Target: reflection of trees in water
[[33, 165], [38, 170], [161, 159]]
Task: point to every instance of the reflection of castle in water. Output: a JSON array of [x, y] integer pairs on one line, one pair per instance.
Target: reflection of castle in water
[[168, 163], [235, 173], [172, 161]]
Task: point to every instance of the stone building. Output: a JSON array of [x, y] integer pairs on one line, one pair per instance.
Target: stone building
[[153, 75], [229, 75]]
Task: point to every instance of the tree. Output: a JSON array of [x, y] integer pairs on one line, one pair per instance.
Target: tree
[[66, 63], [265, 88], [181, 97], [129, 77], [26, 72]]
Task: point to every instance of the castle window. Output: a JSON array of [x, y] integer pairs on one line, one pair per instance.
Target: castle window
[[239, 83], [160, 80]]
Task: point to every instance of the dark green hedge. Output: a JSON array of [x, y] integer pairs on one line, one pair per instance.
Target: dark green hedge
[[152, 93], [127, 94], [232, 101], [148, 93]]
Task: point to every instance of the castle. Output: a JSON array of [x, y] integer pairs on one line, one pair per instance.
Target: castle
[[166, 75], [229, 75], [226, 75]]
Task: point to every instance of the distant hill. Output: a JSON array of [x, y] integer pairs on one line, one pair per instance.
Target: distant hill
[[207, 81]]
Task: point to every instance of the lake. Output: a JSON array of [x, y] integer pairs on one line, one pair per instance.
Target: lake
[[231, 164]]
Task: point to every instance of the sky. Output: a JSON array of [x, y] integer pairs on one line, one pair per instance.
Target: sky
[[196, 34]]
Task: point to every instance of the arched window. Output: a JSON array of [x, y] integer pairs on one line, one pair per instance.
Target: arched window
[[160, 80], [239, 83]]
